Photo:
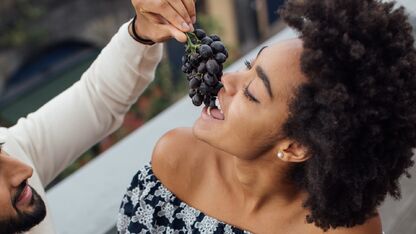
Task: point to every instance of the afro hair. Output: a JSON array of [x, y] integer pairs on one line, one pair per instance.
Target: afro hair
[[356, 114]]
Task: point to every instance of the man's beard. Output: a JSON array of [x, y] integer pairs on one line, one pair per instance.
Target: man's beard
[[24, 221]]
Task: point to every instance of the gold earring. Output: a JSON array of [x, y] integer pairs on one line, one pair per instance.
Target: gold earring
[[280, 154]]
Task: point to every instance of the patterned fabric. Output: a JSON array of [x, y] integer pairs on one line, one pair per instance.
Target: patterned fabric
[[149, 207]]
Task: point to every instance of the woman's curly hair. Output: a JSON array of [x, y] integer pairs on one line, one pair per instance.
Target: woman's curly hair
[[357, 112]]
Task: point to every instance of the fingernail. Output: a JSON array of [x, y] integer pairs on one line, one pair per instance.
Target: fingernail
[[185, 26], [192, 27], [194, 19]]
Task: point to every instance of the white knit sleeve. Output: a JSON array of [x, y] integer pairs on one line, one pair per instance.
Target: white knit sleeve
[[60, 131]]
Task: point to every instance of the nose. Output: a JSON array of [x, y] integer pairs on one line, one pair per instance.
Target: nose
[[13, 171], [231, 83]]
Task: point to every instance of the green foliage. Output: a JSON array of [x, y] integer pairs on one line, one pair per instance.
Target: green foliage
[[209, 24], [23, 31]]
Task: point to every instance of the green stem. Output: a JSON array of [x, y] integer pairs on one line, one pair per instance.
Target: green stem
[[189, 45]]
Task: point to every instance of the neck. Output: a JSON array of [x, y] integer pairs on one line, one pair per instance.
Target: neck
[[262, 182]]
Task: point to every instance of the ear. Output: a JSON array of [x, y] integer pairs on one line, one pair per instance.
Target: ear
[[293, 151]]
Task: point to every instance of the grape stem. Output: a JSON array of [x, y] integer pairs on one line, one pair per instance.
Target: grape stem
[[189, 45]]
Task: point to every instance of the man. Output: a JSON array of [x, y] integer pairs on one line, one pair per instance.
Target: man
[[40, 146]]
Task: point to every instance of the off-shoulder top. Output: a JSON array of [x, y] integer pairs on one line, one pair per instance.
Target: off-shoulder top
[[149, 207]]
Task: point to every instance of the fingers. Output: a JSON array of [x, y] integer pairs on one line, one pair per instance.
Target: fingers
[[163, 19], [190, 7], [172, 11], [165, 9], [180, 9], [163, 30], [175, 33]]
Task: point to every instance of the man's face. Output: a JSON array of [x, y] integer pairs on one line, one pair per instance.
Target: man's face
[[21, 207]]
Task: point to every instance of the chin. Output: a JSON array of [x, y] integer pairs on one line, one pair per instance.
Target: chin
[[26, 218], [200, 132], [209, 136]]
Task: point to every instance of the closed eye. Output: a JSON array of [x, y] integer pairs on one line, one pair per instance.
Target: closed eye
[[248, 65], [248, 95]]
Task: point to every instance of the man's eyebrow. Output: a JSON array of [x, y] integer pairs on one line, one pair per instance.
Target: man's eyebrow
[[260, 73]]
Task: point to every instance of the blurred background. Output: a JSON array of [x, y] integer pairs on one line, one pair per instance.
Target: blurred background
[[46, 45]]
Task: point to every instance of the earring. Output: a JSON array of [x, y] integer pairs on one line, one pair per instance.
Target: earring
[[280, 154]]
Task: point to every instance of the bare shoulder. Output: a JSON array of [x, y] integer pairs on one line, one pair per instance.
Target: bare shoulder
[[371, 226], [176, 157], [172, 147]]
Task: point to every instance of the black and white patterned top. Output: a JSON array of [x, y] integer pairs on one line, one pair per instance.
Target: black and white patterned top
[[149, 207]]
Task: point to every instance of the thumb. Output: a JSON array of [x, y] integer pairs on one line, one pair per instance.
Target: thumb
[[174, 32]]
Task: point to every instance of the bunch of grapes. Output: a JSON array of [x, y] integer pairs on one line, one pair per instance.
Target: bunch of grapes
[[203, 64]]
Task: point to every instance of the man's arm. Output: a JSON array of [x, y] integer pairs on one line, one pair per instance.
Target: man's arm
[[60, 131]]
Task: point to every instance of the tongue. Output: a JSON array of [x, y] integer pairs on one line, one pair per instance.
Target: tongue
[[216, 114]]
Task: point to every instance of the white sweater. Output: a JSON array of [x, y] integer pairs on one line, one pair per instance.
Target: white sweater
[[54, 136]]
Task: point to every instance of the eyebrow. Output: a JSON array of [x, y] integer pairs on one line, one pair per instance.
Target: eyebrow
[[261, 50], [266, 81]]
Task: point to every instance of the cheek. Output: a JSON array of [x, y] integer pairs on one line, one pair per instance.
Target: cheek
[[250, 131], [6, 208]]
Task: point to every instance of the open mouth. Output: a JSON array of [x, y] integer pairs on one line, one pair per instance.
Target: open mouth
[[216, 112], [23, 195]]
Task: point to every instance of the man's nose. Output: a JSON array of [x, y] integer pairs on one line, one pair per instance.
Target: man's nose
[[14, 171]]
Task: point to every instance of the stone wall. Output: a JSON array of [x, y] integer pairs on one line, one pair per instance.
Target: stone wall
[[93, 21]]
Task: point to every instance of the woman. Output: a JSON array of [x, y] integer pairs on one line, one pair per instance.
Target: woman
[[39, 147], [310, 138]]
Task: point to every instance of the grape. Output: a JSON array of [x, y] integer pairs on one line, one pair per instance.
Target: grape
[[205, 51], [210, 79], [215, 37], [204, 88], [197, 100], [202, 68], [217, 88], [206, 41], [212, 103], [220, 57], [212, 67], [194, 60], [192, 92], [203, 64], [217, 47], [220, 74], [194, 83], [226, 54], [200, 33]]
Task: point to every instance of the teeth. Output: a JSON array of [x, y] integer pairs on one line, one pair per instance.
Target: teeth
[[209, 111], [217, 103]]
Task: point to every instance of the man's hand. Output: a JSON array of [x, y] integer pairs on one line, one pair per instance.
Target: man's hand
[[159, 20]]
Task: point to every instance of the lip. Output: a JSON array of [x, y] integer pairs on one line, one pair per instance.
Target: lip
[[206, 117], [25, 197]]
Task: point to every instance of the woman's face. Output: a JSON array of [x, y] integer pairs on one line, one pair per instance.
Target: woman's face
[[254, 103]]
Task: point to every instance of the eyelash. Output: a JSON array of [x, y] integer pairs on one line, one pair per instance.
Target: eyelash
[[248, 95], [248, 64]]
